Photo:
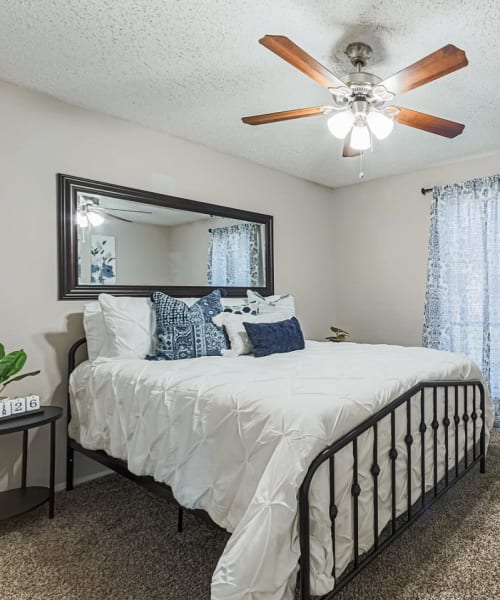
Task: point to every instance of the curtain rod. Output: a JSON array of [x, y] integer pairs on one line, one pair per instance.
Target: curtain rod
[[425, 190]]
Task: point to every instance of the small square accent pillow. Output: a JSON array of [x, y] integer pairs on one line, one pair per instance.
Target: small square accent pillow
[[282, 305], [236, 332], [184, 331], [274, 338]]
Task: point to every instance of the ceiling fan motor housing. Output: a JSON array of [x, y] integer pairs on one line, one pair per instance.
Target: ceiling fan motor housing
[[360, 86]]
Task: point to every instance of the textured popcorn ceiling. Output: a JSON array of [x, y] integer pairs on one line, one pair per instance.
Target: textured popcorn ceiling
[[193, 68]]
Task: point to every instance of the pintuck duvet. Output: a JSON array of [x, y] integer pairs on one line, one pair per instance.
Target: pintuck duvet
[[235, 437]]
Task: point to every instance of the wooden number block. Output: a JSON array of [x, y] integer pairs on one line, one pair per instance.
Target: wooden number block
[[18, 405], [32, 402], [5, 409]]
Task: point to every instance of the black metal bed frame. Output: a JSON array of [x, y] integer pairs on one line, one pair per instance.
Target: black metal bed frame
[[398, 523]]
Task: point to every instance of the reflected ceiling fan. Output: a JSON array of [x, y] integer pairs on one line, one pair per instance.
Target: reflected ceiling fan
[[360, 99], [91, 213]]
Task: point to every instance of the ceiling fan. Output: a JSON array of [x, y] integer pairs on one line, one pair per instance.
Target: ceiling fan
[[91, 213], [360, 99]]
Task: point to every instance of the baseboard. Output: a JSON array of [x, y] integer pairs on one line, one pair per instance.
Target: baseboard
[[60, 487]]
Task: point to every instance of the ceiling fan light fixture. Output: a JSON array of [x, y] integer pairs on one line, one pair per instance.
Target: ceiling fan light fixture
[[340, 92], [360, 93], [95, 219], [380, 93], [341, 123], [82, 220], [360, 137], [380, 124]]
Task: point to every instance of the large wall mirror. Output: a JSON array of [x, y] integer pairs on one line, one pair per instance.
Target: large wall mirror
[[131, 242]]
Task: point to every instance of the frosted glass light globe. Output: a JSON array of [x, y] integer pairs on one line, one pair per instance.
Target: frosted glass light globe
[[380, 125], [95, 218], [360, 138], [340, 123], [81, 219]]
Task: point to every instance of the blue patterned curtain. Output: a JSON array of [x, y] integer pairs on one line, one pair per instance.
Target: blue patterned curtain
[[462, 311], [235, 256]]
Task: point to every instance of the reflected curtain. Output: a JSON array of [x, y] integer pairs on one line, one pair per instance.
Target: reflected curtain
[[462, 312], [234, 256]]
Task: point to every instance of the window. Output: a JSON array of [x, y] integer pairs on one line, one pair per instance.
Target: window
[[462, 312], [235, 256]]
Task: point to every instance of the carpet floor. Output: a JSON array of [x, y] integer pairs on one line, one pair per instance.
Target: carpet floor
[[110, 540]]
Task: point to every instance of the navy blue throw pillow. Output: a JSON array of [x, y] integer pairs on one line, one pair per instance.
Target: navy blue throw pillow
[[272, 338], [187, 332]]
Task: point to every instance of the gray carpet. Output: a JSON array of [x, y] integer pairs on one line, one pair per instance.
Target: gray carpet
[[110, 540]]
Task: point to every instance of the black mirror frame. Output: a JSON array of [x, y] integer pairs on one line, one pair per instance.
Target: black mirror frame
[[69, 289]]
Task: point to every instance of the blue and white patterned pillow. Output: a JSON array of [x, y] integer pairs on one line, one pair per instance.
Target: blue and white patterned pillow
[[187, 332]]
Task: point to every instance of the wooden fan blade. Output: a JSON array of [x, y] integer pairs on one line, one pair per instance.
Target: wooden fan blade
[[438, 64], [349, 152], [101, 210], [287, 50], [119, 218], [284, 115], [413, 118], [144, 212]]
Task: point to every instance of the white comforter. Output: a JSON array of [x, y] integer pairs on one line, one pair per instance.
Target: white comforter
[[235, 436]]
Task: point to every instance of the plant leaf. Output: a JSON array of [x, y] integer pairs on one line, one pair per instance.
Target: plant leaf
[[2, 351], [338, 330], [12, 364], [19, 377]]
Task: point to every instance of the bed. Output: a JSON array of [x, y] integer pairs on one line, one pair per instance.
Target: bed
[[312, 460]]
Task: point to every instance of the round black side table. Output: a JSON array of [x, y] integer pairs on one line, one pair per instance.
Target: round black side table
[[18, 501]]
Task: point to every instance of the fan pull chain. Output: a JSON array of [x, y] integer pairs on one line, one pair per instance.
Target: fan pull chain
[[361, 173]]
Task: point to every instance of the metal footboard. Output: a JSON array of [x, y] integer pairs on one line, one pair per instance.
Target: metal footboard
[[471, 401]]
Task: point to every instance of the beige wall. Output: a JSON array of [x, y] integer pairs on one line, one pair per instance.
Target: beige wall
[[188, 252], [41, 137], [380, 235]]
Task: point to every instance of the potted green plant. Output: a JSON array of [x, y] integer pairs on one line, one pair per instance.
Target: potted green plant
[[10, 365], [339, 335]]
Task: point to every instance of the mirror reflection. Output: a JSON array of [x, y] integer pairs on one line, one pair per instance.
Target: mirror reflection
[[122, 242]]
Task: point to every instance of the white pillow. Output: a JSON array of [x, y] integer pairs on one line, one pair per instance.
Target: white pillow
[[238, 338], [130, 326], [229, 301], [282, 305], [95, 330]]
